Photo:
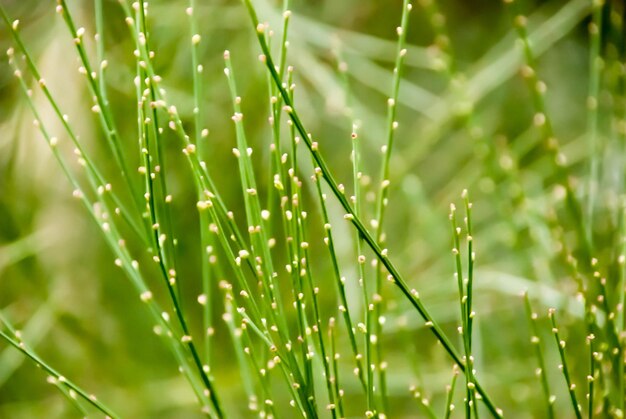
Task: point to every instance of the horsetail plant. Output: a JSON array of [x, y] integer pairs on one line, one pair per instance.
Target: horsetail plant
[[383, 194], [98, 209], [350, 215], [465, 284], [535, 340], [311, 333], [564, 365]]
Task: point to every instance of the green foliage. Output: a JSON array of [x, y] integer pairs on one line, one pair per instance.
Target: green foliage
[[250, 216]]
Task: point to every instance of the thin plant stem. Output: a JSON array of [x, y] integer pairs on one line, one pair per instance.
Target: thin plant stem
[[317, 319], [595, 67], [201, 134], [450, 393], [242, 352], [541, 371], [340, 283], [334, 355], [368, 307], [424, 403], [591, 378], [383, 194], [464, 290], [543, 123], [59, 380], [564, 366]]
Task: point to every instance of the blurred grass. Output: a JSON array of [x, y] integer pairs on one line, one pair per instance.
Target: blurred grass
[[58, 282]]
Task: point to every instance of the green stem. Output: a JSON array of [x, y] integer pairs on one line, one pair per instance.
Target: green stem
[[564, 366], [59, 379], [535, 340]]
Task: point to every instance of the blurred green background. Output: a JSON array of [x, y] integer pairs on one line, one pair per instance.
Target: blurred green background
[[58, 283]]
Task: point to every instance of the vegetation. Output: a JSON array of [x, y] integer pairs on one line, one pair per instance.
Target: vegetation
[[308, 208]]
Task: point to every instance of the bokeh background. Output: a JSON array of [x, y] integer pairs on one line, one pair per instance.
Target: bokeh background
[[58, 283]]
